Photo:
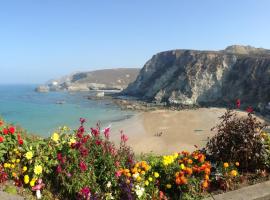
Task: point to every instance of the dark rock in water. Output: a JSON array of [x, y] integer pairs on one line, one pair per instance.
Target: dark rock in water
[[190, 77]]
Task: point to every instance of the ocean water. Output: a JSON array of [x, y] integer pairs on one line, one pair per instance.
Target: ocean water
[[39, 113]]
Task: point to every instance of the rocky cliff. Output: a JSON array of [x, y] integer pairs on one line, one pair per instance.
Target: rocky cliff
[[205, 77], [105, 79]]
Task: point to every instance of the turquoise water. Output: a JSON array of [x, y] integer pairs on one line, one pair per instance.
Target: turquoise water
[[39, 113]]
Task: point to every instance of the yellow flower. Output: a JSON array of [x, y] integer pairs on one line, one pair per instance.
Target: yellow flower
[[13, 160], [29, 155], [237, 164], [72, 141], [8, 165], [12, 166], [5, 165], [156, 174], [225, 165], [146, 183], [24, 169], [26, 179], [32, 182], [38, 169], [150, 179], [55, 137], [182, 166], [169, 186], [17, 160], [234, 173], [139, 178]]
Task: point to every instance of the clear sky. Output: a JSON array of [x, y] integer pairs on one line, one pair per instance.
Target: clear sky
[[44, 39]]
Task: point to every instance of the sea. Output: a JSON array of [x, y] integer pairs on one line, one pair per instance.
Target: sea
[[42, 113]]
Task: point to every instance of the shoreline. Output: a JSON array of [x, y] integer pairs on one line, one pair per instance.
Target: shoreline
[[165, 131]]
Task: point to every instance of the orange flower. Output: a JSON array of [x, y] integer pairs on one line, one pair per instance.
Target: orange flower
[[226, 165], [178, 181], [205, 184], [188, 170], [207, 171], [201, 158], [183, 180], [190, 161]]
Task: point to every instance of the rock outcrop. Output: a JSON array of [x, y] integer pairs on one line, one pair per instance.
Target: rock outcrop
[[205, 77], [106, 79]]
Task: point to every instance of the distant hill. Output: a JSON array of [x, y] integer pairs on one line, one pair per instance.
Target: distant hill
[[105, 79]]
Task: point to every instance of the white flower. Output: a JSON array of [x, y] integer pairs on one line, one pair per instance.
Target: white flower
[[139, 191], [109, 184], [135, 175]]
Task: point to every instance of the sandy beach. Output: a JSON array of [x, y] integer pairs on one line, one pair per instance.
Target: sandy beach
[[181, 130]]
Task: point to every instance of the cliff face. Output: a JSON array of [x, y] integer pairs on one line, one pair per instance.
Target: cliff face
[[205, 77]]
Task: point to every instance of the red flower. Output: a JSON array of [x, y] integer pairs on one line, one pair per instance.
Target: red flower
[[95, 132], [11, 129], [238, 103], [82, 120], [20, 141], [107, 133], [249, 109], [98, 142], [5, 131], [1, 139], [83, 151], [59, 156], [59, 169], [83, 166]]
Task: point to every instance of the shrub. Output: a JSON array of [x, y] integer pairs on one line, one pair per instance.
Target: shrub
[[88, 163], [238, 139]]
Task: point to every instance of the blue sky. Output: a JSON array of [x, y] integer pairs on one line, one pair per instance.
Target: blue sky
[[43, 39]]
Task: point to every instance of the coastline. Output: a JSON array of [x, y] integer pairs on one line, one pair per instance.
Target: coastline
[[180, 130]]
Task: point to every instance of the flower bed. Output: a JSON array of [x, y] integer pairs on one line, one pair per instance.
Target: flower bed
[[85, 164]]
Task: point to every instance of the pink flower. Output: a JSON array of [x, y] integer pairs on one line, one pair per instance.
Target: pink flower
[[83, 166], [107, 133], [118, 174], [85, 192], [82, 120], [124, 137], [117, 163]]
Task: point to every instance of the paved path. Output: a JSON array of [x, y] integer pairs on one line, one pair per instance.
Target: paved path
[[260, 191]]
